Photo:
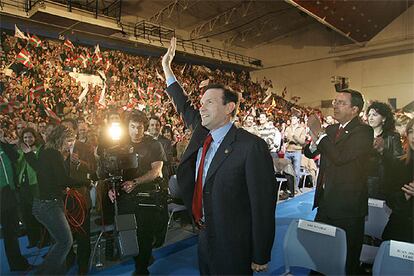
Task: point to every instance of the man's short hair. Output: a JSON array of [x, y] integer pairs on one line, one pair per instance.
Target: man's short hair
[[228, 96], [356, 98], [138, 117], [156, 118]]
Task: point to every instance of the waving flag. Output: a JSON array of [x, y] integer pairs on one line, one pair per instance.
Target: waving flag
[[97, 54], [38, 90], [19, 34], [35, 41], [68, 44], [24, 58], [49, 113], [84, 60]]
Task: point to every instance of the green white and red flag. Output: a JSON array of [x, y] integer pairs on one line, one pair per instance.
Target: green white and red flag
[[24, 58], [35, 41]]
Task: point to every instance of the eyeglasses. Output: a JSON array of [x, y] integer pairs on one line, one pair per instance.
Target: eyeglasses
[[339, 103]]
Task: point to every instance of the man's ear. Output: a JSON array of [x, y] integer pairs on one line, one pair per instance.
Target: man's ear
[[230, 107], [356, 110]]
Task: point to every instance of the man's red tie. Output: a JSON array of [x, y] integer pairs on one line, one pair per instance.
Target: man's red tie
[[339, 133], [198, 190]]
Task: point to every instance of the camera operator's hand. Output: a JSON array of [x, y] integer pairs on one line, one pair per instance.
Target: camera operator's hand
[[112, 195], [128, 186]]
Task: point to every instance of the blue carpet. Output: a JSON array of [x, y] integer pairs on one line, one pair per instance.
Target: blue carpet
[[181, 258]]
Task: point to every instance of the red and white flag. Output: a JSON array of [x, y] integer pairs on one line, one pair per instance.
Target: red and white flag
[[49, 113], [68, 44], [24, 58], [35, 41]]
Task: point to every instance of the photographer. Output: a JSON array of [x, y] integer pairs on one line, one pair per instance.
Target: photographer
[[150, 220]]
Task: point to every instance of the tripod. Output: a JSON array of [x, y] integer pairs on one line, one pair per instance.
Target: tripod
[[124, 227]]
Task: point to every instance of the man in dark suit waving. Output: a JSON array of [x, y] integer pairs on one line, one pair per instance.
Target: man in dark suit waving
[[341, 192], [226, 179]]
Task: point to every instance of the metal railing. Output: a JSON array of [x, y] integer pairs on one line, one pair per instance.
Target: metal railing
[[143, 29], [113, 10], [148, 30]]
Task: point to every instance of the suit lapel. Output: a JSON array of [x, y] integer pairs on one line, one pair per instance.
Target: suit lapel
[[348, 129], [196, 142], [222, 153]]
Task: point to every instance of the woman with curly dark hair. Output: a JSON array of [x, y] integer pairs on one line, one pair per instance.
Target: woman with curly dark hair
[[27, 187], [48, 208], [387, 146]]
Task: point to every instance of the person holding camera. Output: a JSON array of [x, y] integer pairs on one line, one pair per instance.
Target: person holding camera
[[142, 179]]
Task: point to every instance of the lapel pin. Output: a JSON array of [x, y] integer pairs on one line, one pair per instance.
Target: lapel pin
[[226, 151], [346, 131]]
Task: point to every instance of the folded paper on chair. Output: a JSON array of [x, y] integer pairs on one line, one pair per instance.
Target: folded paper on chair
[[402, 250], [317, 227]]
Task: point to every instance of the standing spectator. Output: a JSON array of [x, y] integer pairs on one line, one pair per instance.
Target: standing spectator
[[9, 217], [79, 163], [48, 209], [268, 132], [233, 200], [341, 192], [250, 125], [400, 193], [387, 145], [27, 187], [295, 136], [154, 129]]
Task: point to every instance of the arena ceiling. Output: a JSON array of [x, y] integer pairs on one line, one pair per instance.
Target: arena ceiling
[[251, 23]]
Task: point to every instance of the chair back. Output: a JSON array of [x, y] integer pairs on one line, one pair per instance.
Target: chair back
[[173, 188], [377, 219], [385, 264], [316, 251]]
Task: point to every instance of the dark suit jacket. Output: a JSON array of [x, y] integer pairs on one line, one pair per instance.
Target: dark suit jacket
[[239, 194], [343, 171], [87, 166]]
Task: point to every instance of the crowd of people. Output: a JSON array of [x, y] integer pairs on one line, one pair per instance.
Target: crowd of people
[[58, 100]]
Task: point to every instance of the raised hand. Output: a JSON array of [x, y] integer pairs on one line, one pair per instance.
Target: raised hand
[[314, 124], [25, 148], [169, 56]]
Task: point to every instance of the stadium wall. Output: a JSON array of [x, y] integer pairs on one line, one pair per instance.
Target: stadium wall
[[383, 69]]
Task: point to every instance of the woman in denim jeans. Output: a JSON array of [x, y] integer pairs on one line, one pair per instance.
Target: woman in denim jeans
[[48, 208]]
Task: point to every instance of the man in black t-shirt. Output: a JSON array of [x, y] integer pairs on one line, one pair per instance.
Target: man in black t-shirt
[[150, 161]]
